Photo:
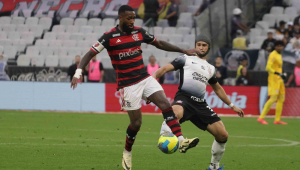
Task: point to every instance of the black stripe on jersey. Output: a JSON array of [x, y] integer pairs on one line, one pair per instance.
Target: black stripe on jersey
[[125, 46], [130, 65], [133, 73]]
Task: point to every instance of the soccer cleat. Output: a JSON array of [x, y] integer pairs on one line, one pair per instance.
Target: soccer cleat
[[126, 162], [220, 168], [262, 121], [280, 123], [187, 144]]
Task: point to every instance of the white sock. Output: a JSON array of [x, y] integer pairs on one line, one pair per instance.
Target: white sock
[[165, 127], [217, 151]]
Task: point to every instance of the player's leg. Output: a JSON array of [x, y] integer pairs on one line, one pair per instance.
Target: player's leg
[[178, 110], [266, 109], [279, 105], [218, 130]]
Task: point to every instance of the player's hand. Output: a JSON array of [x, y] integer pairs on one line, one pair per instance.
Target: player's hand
[[191, 52], [282, 75], [74, 82], [239, 111]]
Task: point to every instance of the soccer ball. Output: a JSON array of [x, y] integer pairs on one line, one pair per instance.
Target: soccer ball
[[168, 143]]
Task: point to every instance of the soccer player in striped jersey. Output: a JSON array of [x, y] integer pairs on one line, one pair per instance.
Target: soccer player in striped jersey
[[123, 44]]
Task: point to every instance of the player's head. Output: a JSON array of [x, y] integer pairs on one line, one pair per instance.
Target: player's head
[[298, 62], [152, 60], [282, 24], [77, 59], [270, 34], [237, 11], [202, 43], [297, 34], [127, 17], [279, 46], [244, 71], [94, 59]]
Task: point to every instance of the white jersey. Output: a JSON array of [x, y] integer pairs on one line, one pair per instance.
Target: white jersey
[[195, 74]]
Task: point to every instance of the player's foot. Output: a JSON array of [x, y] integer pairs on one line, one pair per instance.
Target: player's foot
[[126, 162], [280, 123], [187, 144], [220, 168], [262, 121]]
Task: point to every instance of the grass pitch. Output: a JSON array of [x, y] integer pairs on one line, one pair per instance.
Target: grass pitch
[[72, 141]]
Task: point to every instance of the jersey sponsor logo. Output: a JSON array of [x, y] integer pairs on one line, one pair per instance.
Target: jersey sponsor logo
[[116, 35], [129, 53], [197, 99], [118, 41], [199, 77], [135, 37], [179, 101]]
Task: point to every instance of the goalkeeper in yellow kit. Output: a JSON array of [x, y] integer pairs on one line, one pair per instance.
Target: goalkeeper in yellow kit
[[276, 89]]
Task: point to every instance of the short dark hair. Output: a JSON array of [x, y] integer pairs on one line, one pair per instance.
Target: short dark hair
[[124, 8], [279, 42]]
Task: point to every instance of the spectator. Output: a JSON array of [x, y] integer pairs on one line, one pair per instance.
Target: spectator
[[95, 71], [152, 67], [244, 78], [269, 43], [3, 69], [221, 71], [172, 14], [297, 19], [151, 10], [73, 67], [290, 29], [295, 39], [243, 63], [240, 41], [296, 27], [236, 23], [203, 6], [296, 75], [281, 32]]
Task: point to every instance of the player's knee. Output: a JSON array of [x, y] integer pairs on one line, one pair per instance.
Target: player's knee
[[222, 137], [281, 98], [136, 124], [273, 98]]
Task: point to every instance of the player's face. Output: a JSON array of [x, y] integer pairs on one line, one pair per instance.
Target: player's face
[[202, 46], [77, 60], [152, 60], [279, 48], [127, 21], [94, 58]]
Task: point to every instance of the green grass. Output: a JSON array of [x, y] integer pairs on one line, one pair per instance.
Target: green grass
[[72, 141]]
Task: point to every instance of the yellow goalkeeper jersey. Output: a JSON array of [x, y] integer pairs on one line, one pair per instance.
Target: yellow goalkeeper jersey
[[274, 65]]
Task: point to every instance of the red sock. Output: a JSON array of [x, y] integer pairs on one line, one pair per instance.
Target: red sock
[[130, 137], [172, 121]]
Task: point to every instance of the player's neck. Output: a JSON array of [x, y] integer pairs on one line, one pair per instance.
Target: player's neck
[[203, 58]]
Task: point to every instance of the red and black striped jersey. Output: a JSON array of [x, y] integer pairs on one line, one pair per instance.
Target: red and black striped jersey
[[126, 54]]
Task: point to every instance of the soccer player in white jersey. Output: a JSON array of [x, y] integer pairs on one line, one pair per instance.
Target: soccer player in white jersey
[[189, 102]]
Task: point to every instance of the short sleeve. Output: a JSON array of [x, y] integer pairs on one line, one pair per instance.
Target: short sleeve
[[179, 62], [147, 37], [101, 44], [213, 79]]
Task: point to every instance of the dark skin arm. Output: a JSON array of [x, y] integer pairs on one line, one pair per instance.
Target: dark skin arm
[[163, 45], [84, 61]]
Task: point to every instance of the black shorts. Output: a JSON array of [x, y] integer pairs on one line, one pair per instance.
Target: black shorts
[[195, 110]]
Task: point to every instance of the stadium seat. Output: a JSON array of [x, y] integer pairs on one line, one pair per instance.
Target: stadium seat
[[106, 63], [80, 22], [183, 30], [172, 55], [59, 28], [51, 61], [282, 17], [1, 49], [55, 43], [69, 43], [185, 23], [65, 61], [175, 38], [23, 60], [67, 21], [254, 46], [85, 44], [10, 52], [189, 38], [151, 47], [165, 61], [100, 30], [108, 22], [157, 30], [77, 36], [72, 29], [84, 50], [33, 50], [9, 28], [3, 35], [37, 60], [290, 10], [86, 29], [22, 28], [50, 36], [162, 23], [45, 22], [28, 36], [262, 25], [63, 35], [73, 51], [5, 20], [184, 45], [18, 21], [138, 22], [185, 16], [45, 51], [41, 43], [162, 37], [20, 45], [277, 10], [62, 51], [90, 36], [32, 21], [159, 54], [37, 30], [254, 32], [192, 8], [14, 35], [169, 30], [270, 19], [259, 39], [5, 42], [94, 22]]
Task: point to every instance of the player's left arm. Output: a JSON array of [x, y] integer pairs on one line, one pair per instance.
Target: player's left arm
[[163, 70], [218, 89]]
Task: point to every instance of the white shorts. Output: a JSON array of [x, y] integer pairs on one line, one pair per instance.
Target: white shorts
[[131, 96]]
